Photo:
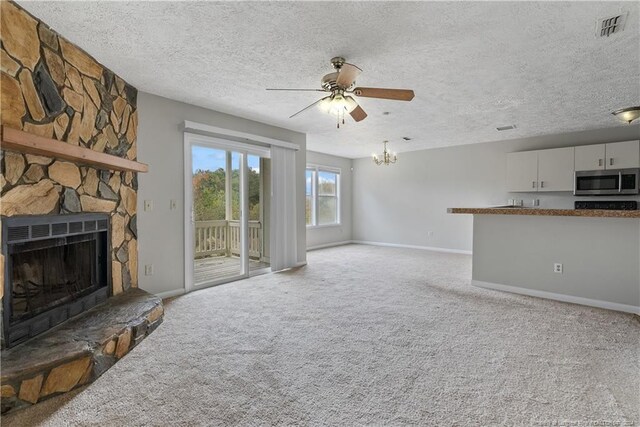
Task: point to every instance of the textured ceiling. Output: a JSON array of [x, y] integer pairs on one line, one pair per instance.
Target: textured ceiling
[[473, 66]]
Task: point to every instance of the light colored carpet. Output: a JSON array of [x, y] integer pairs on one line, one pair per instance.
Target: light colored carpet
[[367, 336]]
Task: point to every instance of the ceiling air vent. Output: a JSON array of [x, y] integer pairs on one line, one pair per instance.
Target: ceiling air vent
[[611, 25], [501, 128]]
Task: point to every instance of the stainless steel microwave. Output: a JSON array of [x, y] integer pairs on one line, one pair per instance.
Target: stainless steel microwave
[[606, 182]]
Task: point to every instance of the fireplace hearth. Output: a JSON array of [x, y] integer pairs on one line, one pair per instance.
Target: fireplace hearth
[[56, 267]]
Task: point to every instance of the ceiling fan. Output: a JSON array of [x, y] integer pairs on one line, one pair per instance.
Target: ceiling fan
[[340, 87]]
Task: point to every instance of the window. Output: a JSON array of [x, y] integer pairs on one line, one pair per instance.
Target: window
[[322, 196]]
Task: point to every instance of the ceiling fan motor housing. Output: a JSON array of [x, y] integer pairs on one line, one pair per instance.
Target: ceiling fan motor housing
[[329, 82]]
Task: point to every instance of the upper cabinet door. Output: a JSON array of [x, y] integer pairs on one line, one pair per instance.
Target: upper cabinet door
[[623, 155], [522, 171], [555, 169], [590, 157]]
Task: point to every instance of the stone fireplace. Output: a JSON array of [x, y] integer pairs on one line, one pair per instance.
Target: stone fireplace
[[50, 88], [68, 184], [56, 267]]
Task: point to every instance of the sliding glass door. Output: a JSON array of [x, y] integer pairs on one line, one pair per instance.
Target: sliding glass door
[[226, 231]]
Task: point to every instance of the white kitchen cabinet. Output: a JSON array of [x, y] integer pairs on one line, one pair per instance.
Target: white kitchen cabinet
[[555, 169], [590, 157], [616, 155], [522, 171], [623, 155]]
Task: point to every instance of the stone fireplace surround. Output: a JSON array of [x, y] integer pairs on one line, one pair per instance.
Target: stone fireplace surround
[[53, 89]]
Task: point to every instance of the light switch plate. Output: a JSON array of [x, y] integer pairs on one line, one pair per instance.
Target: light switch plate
[[148, 205]]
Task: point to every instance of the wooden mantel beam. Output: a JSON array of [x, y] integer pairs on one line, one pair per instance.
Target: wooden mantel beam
[[24, 142]]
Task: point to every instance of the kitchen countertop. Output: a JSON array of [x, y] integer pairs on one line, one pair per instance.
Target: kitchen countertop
[[603, 213]]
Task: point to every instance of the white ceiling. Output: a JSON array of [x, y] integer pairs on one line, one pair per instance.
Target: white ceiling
[[473, 66]]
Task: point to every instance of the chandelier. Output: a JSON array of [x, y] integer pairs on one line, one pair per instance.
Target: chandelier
[[387, 158]]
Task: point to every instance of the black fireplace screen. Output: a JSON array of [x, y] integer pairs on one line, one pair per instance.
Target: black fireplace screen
[[56, 266], [50, 276]]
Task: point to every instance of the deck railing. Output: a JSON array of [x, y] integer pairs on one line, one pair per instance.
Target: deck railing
[[223, 238]]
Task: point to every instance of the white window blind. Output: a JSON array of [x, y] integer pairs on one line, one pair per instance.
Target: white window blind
[[283, 209]]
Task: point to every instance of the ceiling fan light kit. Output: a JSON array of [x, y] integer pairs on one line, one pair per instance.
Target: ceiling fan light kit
[[340, 100], [628, 114]]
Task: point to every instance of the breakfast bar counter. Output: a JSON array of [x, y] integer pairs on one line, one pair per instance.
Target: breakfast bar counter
[[596, 213], [592, 260]]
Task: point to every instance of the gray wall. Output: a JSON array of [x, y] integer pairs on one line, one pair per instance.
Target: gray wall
[[160, 144], [403, 203], [600, 256], [327, 235]]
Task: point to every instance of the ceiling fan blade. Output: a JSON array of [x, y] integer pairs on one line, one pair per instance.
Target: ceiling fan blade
[[358, 114], [347, 75], [302, 90], [393, 94], [306, 108]]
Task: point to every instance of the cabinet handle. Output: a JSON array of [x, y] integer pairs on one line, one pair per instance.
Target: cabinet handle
[[541, 184], [600, 162], [610, 161], [533, 184]]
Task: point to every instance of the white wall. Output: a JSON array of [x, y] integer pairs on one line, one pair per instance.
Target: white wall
[[402, 203], [160, 144], [327, 235]]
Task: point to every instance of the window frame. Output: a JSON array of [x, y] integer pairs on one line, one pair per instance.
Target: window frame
[[315, 169]]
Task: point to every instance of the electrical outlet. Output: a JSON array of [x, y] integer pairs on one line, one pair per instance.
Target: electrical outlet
[[557, 268], [430, 234], [148, 270], [148, 205]]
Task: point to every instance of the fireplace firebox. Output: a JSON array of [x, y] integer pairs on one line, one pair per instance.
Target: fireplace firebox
[[56, 267]]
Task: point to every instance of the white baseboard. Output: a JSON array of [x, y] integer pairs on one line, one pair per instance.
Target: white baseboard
[[329, 245], [558, 297], [424, 248], [169, 294]]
